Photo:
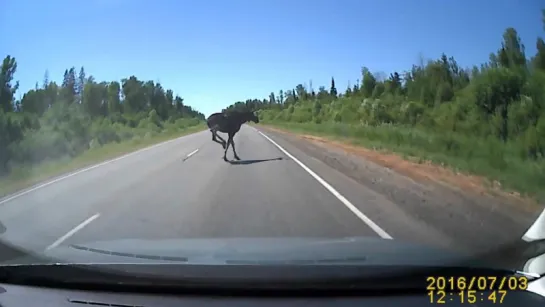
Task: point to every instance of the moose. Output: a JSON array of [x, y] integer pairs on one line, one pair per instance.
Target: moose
[[229, 123]]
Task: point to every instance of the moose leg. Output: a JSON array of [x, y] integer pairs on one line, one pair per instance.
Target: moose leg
[[223, 143], [225, 152], [215, 138], [232, 141]]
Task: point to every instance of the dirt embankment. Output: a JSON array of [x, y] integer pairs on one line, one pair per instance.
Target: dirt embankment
[[424, 171]]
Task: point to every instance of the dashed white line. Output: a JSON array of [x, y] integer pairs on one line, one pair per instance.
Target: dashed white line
[[192, 153], [73, 231], [189, 155], [381, 232]]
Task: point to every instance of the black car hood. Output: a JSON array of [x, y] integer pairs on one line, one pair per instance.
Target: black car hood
[[250, 261], [262, 251]]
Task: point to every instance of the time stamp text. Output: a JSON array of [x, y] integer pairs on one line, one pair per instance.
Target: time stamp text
[[445, 289]]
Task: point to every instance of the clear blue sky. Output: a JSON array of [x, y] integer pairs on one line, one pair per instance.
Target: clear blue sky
[[215, 52]]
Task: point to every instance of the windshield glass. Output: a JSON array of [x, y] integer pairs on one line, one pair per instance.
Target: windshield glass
[[237, 132]]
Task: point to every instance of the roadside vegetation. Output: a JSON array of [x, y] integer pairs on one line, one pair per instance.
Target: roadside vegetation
[[487, 120], [56, 128]]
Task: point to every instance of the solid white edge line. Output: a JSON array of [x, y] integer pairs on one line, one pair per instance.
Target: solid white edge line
[[9, 198], [381, 232], [192, 153], [73, 231]]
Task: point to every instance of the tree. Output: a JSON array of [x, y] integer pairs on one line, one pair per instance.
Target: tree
[[368, 82], [80, 83], [333, 90], [113, 97], [511, 54], [8, 90], [539, 59], [92, 98], [68, 87], [272, 98], [46, 80]]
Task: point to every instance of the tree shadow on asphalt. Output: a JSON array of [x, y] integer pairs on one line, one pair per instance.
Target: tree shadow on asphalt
[[246, 162]]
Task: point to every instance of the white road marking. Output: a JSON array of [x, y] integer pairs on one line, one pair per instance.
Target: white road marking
[[381, 232], [9, 198], [192, 153], [73, 231]]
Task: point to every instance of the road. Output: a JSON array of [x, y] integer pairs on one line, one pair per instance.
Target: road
[[184, 189]]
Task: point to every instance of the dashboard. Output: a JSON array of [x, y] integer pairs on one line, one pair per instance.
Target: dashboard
[[27, 296]]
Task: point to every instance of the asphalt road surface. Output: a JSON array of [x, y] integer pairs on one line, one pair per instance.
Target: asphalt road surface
[[184, 189]]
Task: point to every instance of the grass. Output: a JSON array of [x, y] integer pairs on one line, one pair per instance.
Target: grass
[[24, 177], [496, 161]]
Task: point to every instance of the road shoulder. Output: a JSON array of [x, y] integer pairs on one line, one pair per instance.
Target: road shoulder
[[453, 204]]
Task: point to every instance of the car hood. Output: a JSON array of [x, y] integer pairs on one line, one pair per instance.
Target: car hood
[[261, 251], [249, 261]]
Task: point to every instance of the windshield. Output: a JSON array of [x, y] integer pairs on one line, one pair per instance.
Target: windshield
[[389, 134]]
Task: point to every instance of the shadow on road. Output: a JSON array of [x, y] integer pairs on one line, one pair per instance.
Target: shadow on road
[[246, 162]]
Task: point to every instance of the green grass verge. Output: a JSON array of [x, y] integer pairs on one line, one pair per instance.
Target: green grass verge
[[489, 158], [24, 177]]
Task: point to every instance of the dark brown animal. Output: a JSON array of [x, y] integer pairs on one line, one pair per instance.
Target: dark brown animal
[[230, 124]]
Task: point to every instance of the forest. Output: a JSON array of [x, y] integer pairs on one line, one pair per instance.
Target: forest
[[61, 121], [488, 119]]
